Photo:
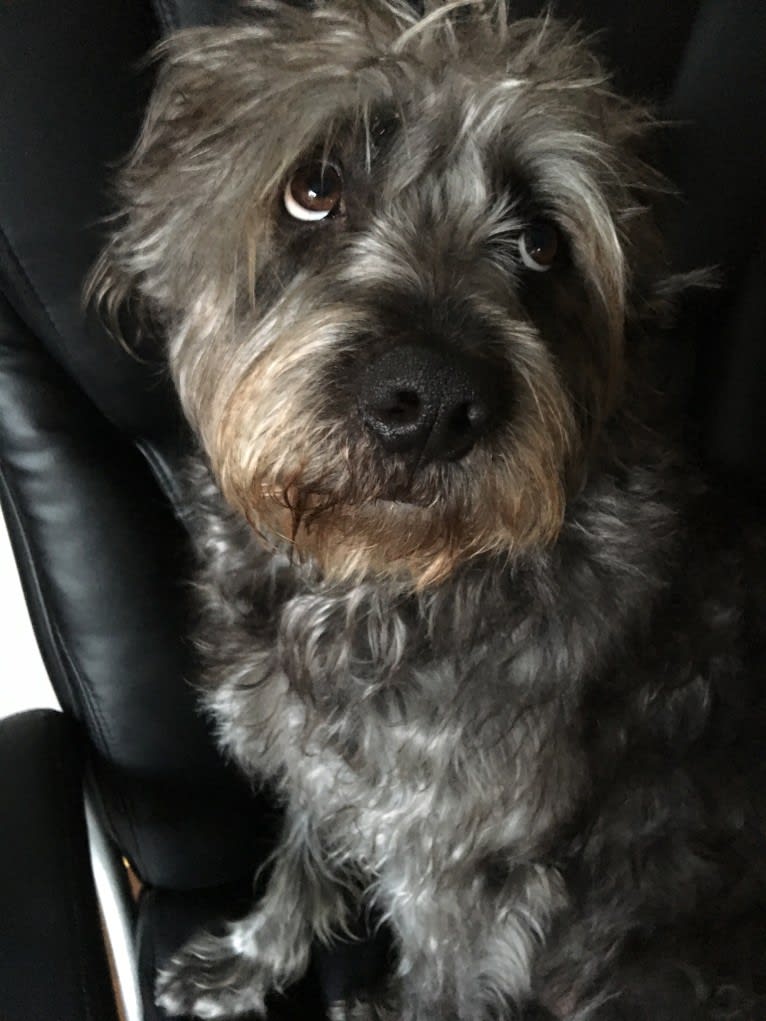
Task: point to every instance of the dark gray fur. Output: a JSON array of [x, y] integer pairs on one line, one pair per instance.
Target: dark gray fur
[[544, 771]]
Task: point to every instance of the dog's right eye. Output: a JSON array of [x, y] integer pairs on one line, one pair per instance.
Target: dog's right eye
[[314, 192], [539, 245]]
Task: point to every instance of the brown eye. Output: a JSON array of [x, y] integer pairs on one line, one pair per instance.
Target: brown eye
[[538, 245], [313, 192]]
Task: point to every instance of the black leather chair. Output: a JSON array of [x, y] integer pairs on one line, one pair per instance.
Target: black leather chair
[[90, 442]]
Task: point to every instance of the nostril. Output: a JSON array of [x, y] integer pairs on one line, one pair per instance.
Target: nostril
[[459, 420], [401, 408], [458, 427], [467, 419], [397, 413]]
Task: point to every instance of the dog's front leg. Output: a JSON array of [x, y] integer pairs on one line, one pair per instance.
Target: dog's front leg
[[467, 950], [217, 976]]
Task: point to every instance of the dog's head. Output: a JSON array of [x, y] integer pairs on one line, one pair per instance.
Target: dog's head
[[394, 255]]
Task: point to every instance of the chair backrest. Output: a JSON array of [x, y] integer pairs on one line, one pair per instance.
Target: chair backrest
[[90, 440]]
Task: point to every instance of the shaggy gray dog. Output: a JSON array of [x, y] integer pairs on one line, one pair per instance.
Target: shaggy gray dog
[[463, 606]]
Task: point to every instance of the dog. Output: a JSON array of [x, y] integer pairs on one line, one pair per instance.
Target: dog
[[464, 604]]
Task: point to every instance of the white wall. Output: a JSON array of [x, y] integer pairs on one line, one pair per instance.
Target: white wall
[[23, 681]]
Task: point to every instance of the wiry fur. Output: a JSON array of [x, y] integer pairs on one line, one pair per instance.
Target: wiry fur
[[511, 702]]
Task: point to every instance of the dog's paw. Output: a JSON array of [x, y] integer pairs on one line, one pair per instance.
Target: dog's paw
[[210, 978]]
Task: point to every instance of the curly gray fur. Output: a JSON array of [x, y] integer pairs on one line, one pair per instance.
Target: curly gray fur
[[540, 764]]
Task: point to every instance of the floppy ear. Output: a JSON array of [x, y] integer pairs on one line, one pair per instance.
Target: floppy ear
[[119, 286], [166, 194]]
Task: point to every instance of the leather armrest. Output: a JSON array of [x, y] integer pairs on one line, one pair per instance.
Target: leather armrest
[[53, 962]]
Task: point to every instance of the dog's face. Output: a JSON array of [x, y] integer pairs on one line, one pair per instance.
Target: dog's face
[[390, 255]]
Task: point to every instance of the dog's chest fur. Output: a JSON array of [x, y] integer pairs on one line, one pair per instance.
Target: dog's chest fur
[[394, 778], [443, 728]]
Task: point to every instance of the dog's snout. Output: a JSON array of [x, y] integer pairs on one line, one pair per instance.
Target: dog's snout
[[416, 399]]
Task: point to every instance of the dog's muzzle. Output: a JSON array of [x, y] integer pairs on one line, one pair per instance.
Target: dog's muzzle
[[432, 405]]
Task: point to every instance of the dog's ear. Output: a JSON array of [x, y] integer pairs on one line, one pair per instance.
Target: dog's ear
[[169, 194], [119, 288]]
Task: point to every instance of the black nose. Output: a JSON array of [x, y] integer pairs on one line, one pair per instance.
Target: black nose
[[416, 399]]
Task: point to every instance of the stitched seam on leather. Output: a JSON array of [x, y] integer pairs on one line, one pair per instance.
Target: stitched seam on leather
[[43, 618], [26, 280], [168, 482]]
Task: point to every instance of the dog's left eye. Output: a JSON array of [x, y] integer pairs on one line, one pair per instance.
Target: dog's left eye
[[313, 192], [539, 245]]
